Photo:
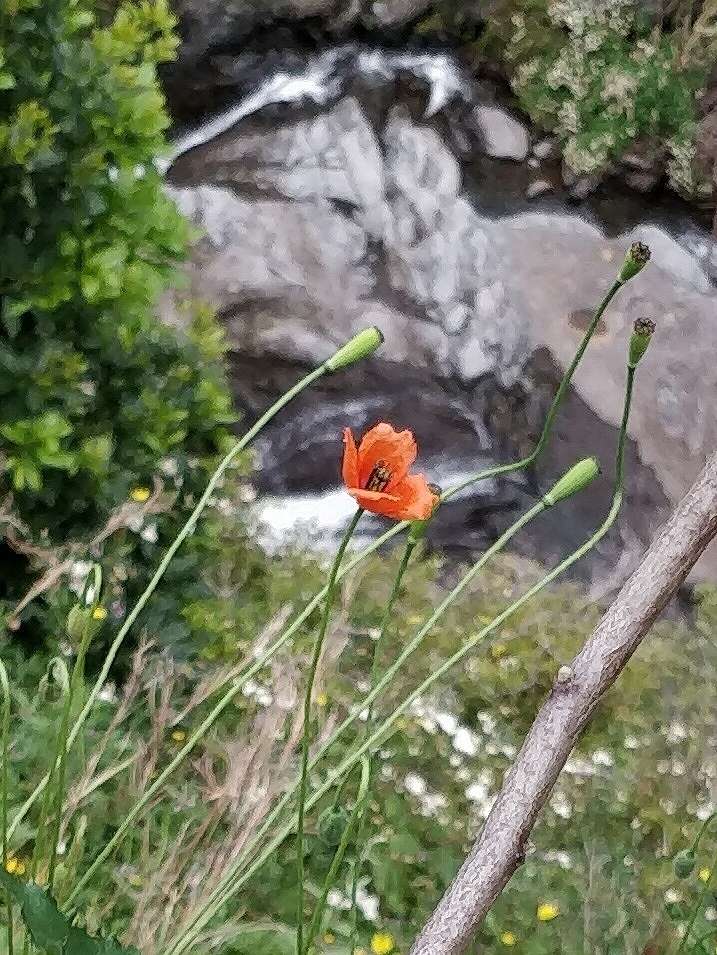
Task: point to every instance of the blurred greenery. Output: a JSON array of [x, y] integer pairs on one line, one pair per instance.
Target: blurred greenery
[[634, 793]]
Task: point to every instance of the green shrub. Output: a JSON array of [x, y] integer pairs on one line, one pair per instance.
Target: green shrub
[[99, 402], [602, 77]]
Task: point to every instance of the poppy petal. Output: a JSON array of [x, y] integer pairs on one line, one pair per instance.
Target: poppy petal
[[349, 470], [396, 449], [375, 501], [417, 500]]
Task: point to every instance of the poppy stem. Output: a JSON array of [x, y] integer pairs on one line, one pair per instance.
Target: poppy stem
[[352, 827], [375, 671], [306, 736], [236, 878]]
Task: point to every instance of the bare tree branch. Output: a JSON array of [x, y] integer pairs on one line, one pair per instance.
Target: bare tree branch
[[500, 848]]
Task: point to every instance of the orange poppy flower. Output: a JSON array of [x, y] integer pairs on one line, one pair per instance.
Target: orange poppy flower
[[376, 474]]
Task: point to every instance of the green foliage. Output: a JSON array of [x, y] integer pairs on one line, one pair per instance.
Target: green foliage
[[601, 77], [49, 929], [632, 796], [97, 397]]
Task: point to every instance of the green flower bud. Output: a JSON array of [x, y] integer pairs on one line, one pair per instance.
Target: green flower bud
[[76, 623], [574, 480], [360, 346], [331, 826], [638, 255], [643, 330], [684, 863]]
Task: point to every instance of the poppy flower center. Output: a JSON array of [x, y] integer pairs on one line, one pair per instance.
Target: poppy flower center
[[379, 477]]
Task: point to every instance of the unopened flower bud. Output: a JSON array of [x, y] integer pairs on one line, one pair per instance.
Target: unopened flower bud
[[637, 257], [76, 623], [684, 863], [643, 330], [574, 480], [360, 346]]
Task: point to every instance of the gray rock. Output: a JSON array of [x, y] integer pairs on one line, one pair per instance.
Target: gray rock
[[547, 148], [538, 188], [319, 222], [504, 137]]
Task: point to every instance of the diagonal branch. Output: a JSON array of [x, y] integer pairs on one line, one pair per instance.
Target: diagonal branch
[[576, 693]]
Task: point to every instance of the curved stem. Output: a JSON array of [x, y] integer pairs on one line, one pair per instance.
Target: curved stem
[[306, 735], [61, 750], [351, 827], [233, 882], [697, 909], [186, 530], [213, 903], [556, 402], [375, 670], [237, 683]]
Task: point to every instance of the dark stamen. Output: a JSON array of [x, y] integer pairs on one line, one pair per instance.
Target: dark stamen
[[378, 478]]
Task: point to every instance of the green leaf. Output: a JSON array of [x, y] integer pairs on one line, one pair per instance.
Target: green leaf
[[48, 927]]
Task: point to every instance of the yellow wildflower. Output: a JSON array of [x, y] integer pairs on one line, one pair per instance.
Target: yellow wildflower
[[704, 874], [140, 494], [382, 943], [322, 699], [329, 938], [179, 736], [498, 650], [508, 938], [15, 866], [547, 911], [99, 613], [135, 881]]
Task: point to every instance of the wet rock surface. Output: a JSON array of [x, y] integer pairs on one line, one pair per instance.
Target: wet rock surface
[[376, 197]]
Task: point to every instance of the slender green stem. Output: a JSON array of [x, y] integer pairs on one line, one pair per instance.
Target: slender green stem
[[556, 402], [307, 735], [61, 751], [6, 706], [237, 683], [233, 881], [703, 829], [346, 836], [212, 903], [159, 573], [697, 909], [38, 851], [375, 670], [378, 737]]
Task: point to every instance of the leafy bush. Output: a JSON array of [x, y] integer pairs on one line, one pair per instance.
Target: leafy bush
[[602, 77], [109, 421]]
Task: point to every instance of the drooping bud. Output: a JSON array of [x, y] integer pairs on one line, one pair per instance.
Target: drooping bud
[[643, 330], [574, 480], [637, 257], [684, 864], [360, 346]]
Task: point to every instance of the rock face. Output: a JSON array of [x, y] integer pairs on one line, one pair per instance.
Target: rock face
[[319, 219]]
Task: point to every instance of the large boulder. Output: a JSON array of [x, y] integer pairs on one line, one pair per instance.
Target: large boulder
[[320, 219]]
